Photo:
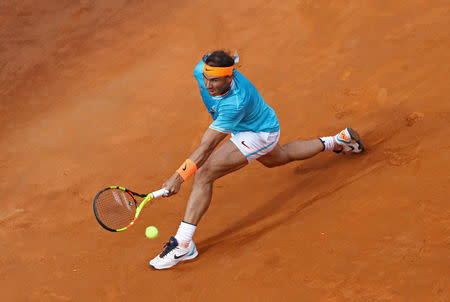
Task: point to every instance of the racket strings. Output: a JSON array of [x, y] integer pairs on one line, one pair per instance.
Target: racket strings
[[115, 208]]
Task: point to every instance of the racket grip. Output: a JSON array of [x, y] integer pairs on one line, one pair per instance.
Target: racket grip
[[160, 193]]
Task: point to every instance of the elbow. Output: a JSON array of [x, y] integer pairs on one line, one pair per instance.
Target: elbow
[[208, 148]]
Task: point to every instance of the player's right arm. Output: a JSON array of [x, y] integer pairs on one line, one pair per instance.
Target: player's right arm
[[230, 114], [210, 140]]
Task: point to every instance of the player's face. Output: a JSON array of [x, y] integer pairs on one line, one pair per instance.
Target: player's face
[[217, 85]]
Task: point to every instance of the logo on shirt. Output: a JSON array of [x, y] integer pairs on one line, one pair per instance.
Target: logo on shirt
[[212, 109], [245, 144]]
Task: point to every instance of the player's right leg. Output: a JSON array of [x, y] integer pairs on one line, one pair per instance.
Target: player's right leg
[[224, 160]]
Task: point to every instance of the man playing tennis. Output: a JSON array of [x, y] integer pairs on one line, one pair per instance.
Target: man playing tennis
[[237, 108]]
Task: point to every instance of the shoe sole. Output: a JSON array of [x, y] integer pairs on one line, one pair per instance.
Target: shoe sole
[[355, 136], [182, 259]]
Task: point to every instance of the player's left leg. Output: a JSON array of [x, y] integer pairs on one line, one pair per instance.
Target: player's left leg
[[347, 140], [296, 150]]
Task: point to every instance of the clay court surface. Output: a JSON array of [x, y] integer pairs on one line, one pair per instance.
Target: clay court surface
[[100, 93]]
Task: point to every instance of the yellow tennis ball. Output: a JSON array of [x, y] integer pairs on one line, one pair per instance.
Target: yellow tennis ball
[[151, 232]]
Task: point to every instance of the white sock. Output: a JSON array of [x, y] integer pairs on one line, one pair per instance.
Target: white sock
[[185, 232], [328, 142]]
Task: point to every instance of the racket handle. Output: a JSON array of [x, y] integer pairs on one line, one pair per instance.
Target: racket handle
[[160, 193]]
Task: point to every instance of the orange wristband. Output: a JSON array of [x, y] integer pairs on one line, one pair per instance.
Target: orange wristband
[[187, 169]]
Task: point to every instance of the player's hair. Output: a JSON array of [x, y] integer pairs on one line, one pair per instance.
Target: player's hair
[[220, 58]]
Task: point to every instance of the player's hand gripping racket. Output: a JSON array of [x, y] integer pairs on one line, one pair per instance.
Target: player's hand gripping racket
[[116, 208]]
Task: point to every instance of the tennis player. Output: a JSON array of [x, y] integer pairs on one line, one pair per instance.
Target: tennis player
[[238, 109]]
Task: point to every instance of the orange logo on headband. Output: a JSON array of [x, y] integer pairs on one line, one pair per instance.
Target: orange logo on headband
[[217, 71]]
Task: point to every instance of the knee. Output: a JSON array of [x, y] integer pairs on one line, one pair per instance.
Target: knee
[[204, 174], [279, 158]]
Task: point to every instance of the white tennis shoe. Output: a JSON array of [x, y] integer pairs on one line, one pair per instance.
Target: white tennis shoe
[[350, 140], [173, 253]]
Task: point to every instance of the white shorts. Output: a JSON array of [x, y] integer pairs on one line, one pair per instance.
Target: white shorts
[[255, 144]]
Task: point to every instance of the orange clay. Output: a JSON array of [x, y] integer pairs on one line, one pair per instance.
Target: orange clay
[[187, 169], [217, 71]]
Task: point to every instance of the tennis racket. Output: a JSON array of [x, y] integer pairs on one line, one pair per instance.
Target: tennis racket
[[116, 208]]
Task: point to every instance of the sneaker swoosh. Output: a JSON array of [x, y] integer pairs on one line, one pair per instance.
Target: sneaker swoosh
[[177, 257]]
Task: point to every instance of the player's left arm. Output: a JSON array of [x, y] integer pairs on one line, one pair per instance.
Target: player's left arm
[[209, 142]]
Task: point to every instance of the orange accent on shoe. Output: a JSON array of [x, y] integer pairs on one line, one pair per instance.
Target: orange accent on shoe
[[343, 136]]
